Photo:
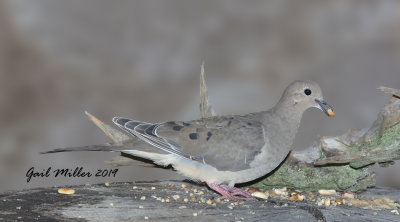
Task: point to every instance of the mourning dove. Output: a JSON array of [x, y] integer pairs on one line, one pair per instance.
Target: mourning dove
[[222, 150]]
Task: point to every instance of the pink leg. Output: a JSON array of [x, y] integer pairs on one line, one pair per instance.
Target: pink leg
[[238, 191], [231, 193]]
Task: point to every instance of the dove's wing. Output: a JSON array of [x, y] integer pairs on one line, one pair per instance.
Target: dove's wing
[[224, 142]]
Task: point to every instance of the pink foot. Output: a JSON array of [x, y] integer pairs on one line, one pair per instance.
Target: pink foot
[[231, 193]]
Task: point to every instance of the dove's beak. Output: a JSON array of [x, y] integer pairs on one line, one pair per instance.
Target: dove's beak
[[324, 106]]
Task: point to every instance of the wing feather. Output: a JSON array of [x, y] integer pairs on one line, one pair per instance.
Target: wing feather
[[146, 132], [225, 142]]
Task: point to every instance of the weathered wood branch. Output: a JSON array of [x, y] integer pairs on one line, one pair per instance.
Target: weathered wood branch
[[170, 201], [206, 109]]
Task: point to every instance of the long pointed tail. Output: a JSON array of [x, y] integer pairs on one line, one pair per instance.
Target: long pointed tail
[[122, 160], [100, 147]]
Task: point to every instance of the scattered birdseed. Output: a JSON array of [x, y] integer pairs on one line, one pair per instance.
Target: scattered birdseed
[[297, 197], [310, 196], [327, 192], [183, 185], [111, 204], [327, 202], [194, 214], [107, 184], [66, 191], [146, 217], [140, 207], [349, 195], [293, 192], [209, 202], [153, 188], [339, 201], [259, 194], [176, 197], [281, 192], [143, 198], [185, 200], [253, 190], [182, 207]]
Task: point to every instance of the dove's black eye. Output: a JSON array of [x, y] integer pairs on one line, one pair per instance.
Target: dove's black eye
[[307, 91]]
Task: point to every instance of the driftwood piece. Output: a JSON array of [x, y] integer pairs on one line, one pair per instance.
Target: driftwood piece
[[394, 92], [112, 133], [206, 109], [159, 201]]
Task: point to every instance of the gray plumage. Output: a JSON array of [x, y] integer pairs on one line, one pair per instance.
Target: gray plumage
[[223, 149]]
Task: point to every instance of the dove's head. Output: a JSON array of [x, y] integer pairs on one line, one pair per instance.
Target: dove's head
[[301, 95]]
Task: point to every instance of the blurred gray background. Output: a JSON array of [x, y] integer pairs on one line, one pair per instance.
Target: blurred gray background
[[141, 59]]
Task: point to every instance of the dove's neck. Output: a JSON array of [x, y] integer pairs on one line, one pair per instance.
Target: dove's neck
[[282, 124]]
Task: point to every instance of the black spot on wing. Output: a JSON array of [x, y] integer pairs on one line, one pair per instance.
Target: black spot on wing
[[209, 134], [193, 136], [177, 128]]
